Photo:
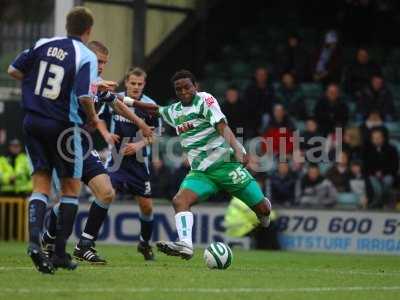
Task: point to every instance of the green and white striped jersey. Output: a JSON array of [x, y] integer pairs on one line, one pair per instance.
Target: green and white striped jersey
[[195, 126]]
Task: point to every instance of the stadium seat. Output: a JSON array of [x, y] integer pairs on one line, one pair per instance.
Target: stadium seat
[[394, 128], [220, 87], [312, 90], [324, 167], [240, 69], [390, 72], [348, 200], [300, 125], [396, 143]]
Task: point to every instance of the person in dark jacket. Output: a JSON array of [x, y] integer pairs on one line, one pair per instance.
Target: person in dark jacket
[[311, 136], [282, 185], [291, 96], [314, 190], [376, 97], [327, 62], [359, 74], [330, 111], [373, 121], [381, 162], [233, 110], [258, 99], [339, 174], [293, 58]]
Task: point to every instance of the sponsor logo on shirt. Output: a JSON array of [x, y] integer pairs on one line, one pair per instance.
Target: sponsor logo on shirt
[[185, 127], [210, 101]]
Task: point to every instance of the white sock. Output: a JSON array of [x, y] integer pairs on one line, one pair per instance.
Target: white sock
[[184, 224]]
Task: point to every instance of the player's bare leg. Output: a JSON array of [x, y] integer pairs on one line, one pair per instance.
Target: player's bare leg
[[67, 211], [182, 202], [37, 209], [146, 226], [105, 194], [263, 210]]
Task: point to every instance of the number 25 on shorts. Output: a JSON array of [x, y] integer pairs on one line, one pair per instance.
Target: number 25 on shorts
[[238, 175]]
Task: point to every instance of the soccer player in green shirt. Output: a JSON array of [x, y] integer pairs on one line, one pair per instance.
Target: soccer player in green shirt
[[216, 158]]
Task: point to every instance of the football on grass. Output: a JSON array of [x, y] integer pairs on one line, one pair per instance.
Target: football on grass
[[218, 256]]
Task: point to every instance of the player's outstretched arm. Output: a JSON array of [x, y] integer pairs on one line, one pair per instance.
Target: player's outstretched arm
[[149, 107], [15, 73], [21, 65], [88, 107], [121, 109], [225, 131]]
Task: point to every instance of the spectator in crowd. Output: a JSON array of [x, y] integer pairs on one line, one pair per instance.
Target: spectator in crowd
[[258, 98], [314, 190], [15, 171], [351, 144], [359, 185], [290, 95], [374, 121], [293, 58], [381, 162], [312, 140], [160, 179], [280, 128], [330, 111], [327, 63], [339, 174], [359, 74], [233, 110], [297, 162], [282, 185], [376, 97]]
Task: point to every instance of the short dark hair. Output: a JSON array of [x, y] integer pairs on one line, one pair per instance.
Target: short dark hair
[[290, 74], [377, 129], [181, 74], [79, 19], [313, 166], [97, 46], [311, 118], [378, 75], [232, 87]]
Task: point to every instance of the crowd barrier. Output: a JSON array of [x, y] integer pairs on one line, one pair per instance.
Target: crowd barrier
[[13, 218]]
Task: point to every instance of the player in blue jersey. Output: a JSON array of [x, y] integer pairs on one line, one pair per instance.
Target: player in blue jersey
[[94, 174], [58, 75], [133, 176]]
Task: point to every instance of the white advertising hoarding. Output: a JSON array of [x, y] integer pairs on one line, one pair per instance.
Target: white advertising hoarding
[[122, 225], [299, 229], [339, 231]]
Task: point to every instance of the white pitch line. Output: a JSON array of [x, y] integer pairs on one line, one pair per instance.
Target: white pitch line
[[345, 272], [203, 290], [336, 271]]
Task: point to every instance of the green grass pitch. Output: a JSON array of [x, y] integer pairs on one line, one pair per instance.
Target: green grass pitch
[[253, 275]]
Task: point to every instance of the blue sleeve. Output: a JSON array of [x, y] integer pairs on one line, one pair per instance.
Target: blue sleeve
[[86, 79], [24, 61]]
